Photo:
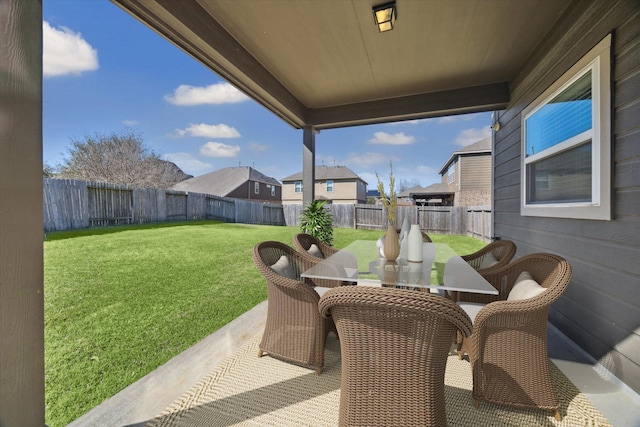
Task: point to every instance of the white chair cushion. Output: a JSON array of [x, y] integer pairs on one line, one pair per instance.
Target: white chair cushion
[[488, 261], [320, 290], [315, 251], [525, 287], [284, 268], [471, 308]]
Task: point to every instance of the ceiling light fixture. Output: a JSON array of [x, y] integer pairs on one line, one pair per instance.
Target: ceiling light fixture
[[384, 16]]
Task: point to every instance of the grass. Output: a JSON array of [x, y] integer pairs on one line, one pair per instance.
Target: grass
[[121, 301]]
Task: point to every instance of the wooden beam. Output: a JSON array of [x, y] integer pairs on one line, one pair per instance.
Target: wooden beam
[[436, 104]]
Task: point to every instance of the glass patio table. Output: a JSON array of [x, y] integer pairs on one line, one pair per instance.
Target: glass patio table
[[441, 269]]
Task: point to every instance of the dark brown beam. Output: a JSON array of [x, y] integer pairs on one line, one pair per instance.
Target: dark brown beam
[[489, 97]]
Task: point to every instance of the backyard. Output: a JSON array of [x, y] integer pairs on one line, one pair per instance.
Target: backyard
[[121, 301]]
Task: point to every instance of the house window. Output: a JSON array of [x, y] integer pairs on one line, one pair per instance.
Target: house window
[[451, 173], [298, 186], [329, 186], [273, 190], [566, 150], [256, 188]]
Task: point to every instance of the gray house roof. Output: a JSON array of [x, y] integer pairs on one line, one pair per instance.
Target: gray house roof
[[482, 146], [437, 188], [223, 181], [327, 172]]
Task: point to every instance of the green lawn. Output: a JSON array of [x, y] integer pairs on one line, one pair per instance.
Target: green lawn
[[121, 301]]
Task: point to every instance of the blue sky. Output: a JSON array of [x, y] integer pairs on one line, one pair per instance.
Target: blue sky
[[106, 72]]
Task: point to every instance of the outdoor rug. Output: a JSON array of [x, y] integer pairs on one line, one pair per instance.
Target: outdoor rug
[[246, 390]]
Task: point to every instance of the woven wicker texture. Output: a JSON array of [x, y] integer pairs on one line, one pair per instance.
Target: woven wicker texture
[[394, 353], [249, 391], [502, 250], [508, 347], [302, 242], [294, 331]]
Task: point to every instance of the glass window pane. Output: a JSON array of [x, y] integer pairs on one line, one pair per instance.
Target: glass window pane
[[565, 116], [562, 178]]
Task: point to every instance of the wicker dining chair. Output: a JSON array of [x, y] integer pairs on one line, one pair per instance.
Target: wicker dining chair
[[508, 346], [394, 347], [295, 331], [494, 255], [304, 244]]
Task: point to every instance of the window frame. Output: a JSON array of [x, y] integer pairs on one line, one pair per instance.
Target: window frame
[[598, 61], [297, 186], [256, 187], [329, 186], [451, 173]]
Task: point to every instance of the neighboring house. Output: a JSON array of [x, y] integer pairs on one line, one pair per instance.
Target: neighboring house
[[241, 182], [337, 184], [373, 197], [439, 194], [466, 179]]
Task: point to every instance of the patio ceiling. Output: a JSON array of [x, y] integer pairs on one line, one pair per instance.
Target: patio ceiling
[[324, 64]]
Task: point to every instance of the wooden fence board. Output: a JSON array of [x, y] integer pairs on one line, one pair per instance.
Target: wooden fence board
[[176, 203]]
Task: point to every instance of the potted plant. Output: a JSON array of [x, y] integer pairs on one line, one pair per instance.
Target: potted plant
[[317, 221], [391, 246]]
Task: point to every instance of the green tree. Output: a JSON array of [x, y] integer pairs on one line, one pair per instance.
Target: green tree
[[317, 221], [119, 158]]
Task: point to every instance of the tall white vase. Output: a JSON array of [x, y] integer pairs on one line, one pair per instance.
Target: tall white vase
[[404, 230], [414, 244]]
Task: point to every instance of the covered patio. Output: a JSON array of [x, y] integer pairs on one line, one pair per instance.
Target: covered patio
[[144, 401], [319, 67]]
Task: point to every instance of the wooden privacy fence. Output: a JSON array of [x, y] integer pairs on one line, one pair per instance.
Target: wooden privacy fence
[[72, 204], [474, 221]]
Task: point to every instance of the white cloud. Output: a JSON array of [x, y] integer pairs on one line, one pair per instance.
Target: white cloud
[[469, 136], [218, 149], [187, 162], [130, 123], [391, 139], [209, 131], [457, 118], [367, 159], [370, 179], [426, 170], [219, 93], [66, 52], [254, 146]]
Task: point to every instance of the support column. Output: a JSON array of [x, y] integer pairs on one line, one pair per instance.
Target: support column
[[21, 216], [308, 165]]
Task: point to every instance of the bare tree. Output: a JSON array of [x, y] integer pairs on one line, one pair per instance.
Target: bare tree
[[405, 184], [49, 171], [119, 158]]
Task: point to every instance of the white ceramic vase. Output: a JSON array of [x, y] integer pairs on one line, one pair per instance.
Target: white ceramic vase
[[414, 244]]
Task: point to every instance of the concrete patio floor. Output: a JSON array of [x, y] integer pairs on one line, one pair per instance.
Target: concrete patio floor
[[143, 400]]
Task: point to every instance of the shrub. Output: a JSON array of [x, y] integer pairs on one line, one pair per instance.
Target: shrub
[[317, 221]]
